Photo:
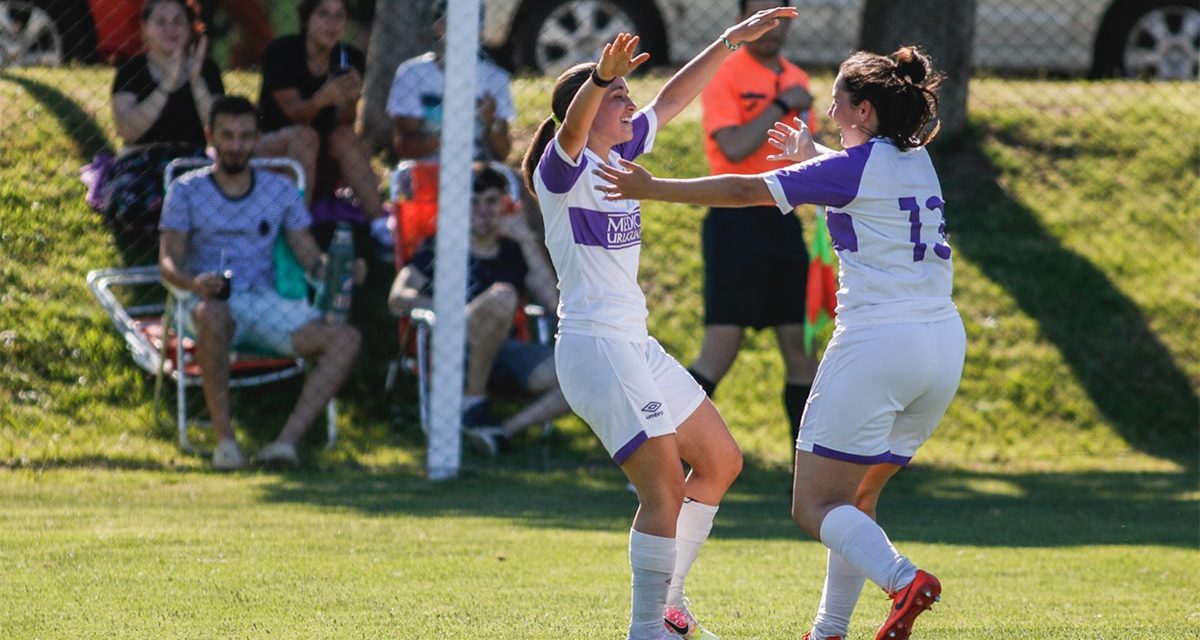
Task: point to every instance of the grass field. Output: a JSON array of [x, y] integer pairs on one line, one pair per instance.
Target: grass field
[[1058, 500]]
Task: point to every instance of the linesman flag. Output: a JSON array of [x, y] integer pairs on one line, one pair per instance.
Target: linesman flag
[[820, 300]]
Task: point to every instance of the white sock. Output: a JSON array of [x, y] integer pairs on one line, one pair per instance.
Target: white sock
[[652, 559], [691, 530], [843, 586], [865, 546]]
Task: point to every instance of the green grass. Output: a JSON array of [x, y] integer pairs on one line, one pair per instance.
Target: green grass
[[1058, 499]]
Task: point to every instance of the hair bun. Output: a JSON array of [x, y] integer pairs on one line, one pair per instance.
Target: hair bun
[[911, 64]]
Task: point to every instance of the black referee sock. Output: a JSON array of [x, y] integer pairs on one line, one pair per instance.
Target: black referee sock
[[709, 386], [794, 398]]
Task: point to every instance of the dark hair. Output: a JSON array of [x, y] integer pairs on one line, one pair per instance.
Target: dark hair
[[306, 8], [231, 105], [742, 5], [485, 177], [191, 9], [903, 89], [565, 88]]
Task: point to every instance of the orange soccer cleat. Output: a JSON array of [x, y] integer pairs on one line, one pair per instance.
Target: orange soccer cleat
[[910, 601]]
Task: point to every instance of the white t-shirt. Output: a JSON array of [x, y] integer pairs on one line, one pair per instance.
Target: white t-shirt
[[887, 222], [595, 244], [418, 87]]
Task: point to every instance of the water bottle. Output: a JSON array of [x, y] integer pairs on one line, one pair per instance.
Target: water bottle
[[338, 288]]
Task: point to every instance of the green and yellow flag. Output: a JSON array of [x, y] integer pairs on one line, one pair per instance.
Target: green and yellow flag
[[820, 297]]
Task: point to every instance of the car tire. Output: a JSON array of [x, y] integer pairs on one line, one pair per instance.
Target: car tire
[[550, 36], [1157, 40], [36, 36]]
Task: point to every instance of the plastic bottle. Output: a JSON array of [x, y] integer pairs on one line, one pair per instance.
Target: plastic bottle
[[338, 288]]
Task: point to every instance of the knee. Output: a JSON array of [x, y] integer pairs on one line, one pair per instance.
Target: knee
[[666, 493], [213, 319], [499, 300], [349, 340], [305, 140]]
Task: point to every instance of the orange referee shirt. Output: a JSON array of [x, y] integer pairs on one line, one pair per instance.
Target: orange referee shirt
[[742, 89]]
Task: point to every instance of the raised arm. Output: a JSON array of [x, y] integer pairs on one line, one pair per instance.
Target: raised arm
[[635, 183], [685, 85], [616, 60]]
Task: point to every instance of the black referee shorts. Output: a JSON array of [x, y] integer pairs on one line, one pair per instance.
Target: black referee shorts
[[755, 267]]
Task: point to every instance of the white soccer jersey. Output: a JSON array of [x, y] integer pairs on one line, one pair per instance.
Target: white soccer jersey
[[595, 244], [887, 222]]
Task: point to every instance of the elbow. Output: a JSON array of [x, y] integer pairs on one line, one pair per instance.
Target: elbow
[[750, 192]]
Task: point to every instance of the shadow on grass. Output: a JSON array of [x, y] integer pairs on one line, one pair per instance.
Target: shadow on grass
[[1104, 337], [86, 135], [922, 504]]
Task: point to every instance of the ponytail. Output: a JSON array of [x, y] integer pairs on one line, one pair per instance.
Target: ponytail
[[565, 88], [545, 133]]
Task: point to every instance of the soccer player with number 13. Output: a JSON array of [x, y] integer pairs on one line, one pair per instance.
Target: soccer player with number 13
[[896, 356]]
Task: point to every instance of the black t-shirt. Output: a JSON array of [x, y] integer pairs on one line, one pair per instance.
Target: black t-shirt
[[285, 66], [508, 265], [179, 121]]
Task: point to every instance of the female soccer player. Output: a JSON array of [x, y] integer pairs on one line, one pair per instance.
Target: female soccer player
[[644, 406], [897, 352]]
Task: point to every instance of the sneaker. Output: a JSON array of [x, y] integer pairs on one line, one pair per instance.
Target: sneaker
[[910, 601], [680, 622], [489, 440], [278, 454], [228, 457], [808, 636], [479, 415]]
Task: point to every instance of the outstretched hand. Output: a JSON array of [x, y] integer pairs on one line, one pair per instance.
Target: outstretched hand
[[618, 60], [755, 26], [631, 182], [795, 144]]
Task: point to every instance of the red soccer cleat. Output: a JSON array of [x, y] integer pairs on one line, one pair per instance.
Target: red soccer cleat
[[910, 601]]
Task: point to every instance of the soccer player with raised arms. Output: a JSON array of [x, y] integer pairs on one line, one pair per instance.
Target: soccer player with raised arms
[[896, 356], [643, 405]]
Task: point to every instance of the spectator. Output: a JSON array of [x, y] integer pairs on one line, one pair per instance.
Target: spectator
[[755, 260], [227, 216], [415, 103], [505, 262], [159, 100], [310, 89]]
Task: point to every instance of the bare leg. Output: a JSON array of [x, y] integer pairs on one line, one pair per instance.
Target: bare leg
[[719, 350], [656, 473], [489, 320], [300, 143], [334, 346], [801, 368], [706, 444], [214, 333], [355, 163], [549, 405]]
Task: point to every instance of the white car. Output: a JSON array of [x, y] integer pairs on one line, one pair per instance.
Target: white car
[[1131, 38]]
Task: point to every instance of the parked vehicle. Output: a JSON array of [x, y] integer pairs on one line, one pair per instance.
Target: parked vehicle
[[1130, 38], [51, 32]]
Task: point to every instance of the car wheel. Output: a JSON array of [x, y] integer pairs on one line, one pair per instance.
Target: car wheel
[[553, 35], [1157, 40], [29, 37]]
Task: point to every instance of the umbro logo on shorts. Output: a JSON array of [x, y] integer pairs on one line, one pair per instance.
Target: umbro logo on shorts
[[652, 408]]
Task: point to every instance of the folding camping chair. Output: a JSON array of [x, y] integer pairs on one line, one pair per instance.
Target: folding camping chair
[[414, 190], [154, 331]]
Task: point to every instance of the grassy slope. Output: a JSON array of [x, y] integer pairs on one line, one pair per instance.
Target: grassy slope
[[1043, 510]]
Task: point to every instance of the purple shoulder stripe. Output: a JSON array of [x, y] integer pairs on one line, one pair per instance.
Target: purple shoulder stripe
[[832, 179], [556, 172]]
